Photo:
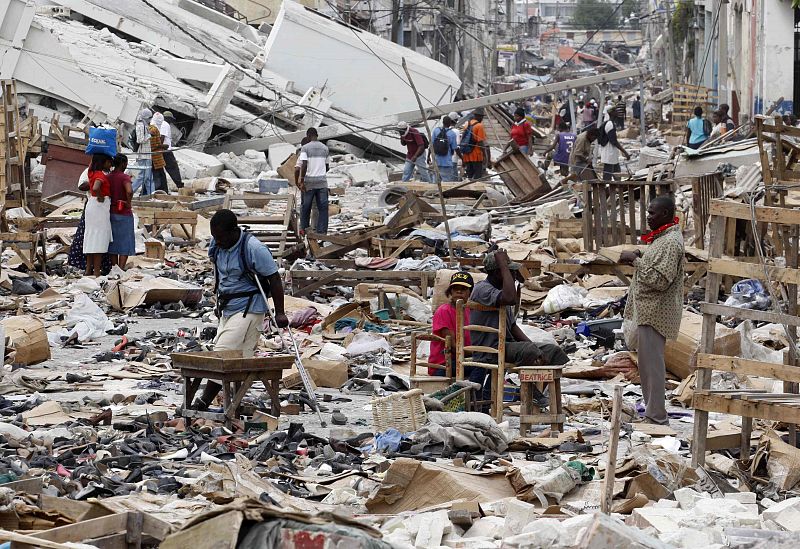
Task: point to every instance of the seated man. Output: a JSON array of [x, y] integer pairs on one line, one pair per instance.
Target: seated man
[[499, 289]]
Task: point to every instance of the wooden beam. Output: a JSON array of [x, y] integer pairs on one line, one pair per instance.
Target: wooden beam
[[764, 214], [611, 457], [737, 365], [746, 408], [735, 268], [749, 314]]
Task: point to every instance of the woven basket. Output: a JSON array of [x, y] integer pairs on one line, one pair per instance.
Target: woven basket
[[403, 411]]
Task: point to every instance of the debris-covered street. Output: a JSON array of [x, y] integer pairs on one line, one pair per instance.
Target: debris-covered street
[[399, 275]]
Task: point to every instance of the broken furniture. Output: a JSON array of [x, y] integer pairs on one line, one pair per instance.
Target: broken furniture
[[704, 189], [127, 530], [158, 220], [27, 246], [546, 378], [18, 138], [236, 375], [607, 204], [749, 404], [305, 282], [431, 383], [402, 411], [521, 176], [563, 228], [277, 229]]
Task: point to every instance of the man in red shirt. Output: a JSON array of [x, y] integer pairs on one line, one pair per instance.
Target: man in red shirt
[[521, 133], [416, 153]]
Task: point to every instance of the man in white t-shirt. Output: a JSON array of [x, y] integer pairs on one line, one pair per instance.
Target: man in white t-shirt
[[169, 157], [610, 147], [313, 181]]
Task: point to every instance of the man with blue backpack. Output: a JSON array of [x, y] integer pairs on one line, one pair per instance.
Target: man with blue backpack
[[245, 274], [444, 146]]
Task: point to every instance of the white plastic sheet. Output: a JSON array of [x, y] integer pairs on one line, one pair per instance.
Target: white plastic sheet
[[87, 319]]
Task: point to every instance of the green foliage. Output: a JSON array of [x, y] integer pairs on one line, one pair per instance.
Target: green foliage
[[684, 10], [796, 3], [593, 14]]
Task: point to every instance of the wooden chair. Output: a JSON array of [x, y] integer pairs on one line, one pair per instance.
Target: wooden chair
[[426, 382], [545, 375]]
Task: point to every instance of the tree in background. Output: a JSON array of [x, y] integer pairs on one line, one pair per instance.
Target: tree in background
[[594, 14]]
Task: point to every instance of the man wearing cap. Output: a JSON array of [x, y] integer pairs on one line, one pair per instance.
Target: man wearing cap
[[416, 153], [473, 147], [444, 320], [144, 161], [442, 136], [499, 290], [169, 157]]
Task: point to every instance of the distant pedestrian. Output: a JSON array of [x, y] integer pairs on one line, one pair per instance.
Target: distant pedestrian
[[176, 134], [123, 244], [724, 109], [610, 147], [445, 145], [416, 153], [580, 158], [157, 147], [97, 234], [697, 129], [589, 114], [144, 160], [562, 145], [636, 107], [313, 182], [172, 167], [620, 111], [474, 149], [521, 133]]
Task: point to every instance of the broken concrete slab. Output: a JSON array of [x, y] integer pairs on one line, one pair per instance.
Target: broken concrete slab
[[197, 165]]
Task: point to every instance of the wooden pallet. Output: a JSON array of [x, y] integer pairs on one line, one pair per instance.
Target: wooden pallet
[[278, 231], [685, 98], [784, 407]]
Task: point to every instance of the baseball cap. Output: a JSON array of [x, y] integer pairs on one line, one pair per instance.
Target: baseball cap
[[490, 263], [168, 115], [461, 279], [402, 126]]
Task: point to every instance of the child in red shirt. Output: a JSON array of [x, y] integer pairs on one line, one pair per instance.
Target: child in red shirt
[[444, 321]]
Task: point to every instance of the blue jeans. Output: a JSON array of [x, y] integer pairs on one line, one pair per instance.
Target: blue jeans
[[306, 203], [422, 169], [144, 179], [523, 149], [448, 173]]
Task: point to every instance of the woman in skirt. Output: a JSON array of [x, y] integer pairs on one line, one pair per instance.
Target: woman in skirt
[[97, 234], [76, 258], [124, 240]]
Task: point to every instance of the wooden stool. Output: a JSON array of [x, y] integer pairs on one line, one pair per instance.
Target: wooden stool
[[549, 377], [235, 374]]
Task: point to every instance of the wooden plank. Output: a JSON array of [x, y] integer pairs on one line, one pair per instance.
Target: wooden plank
[[611, 457], [749, 314], [736, 268], [762, 410], [737, 365], [764, 214]]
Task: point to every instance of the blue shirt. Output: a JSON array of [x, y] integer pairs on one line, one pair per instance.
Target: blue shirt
[[232, 279], [696, 125], [446, 161]]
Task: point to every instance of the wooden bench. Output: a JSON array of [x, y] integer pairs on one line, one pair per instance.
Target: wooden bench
[[545, 378]]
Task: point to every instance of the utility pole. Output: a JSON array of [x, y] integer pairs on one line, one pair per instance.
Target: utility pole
[[722, 56]]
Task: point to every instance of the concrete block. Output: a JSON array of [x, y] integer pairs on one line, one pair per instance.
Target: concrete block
[[196, 165], [542, 533], [518, 514], [469, 543], [365, 172], [661, 519], [239, 165], [278, 153], [687, 498], [742, 497], [432, 528], [609, 533], [777, 509], [487, 527], [721, 507], [692, 538], [257, 158], [789, 520]]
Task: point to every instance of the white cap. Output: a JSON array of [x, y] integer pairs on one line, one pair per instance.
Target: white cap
[[402, 126], [454, 116]]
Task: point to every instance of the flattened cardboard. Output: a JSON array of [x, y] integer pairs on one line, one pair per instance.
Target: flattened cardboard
[[28, 338], [679, 354], [127, 294]]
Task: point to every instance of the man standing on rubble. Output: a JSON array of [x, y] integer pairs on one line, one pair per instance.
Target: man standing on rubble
[[610, 147], [499, 290], [169, 157], [474, 149], [313, 181], [144, 161], [444, 146], [655, 301], [580, 158], [239, 258], [416, 152]]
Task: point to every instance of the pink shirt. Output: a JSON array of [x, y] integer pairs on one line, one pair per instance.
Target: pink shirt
[[445, 317]]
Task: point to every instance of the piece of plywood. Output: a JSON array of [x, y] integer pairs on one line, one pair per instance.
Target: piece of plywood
[[220, 532]]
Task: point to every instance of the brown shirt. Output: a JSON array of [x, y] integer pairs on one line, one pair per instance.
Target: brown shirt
[[581, 154], [156, 147], [656, 293]]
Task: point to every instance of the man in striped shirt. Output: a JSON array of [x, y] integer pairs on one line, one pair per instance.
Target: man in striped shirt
[[313, 181]]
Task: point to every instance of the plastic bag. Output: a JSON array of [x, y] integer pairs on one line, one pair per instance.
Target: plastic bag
[[102, 141], [749, 294], [364, 342], [562, 297], [87, 319]]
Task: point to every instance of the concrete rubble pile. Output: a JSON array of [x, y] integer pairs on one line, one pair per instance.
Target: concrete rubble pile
[[95, 441]]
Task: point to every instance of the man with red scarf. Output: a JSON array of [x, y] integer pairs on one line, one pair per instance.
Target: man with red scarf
[[655, 301]]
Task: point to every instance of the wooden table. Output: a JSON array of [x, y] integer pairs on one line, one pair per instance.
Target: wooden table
[[236, 375]]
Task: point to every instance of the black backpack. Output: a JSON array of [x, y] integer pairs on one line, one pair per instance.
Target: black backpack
[[602, 139], [425, 142], [441, 145]]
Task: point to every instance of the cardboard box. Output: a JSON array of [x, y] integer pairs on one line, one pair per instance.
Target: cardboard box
[[26, 335], [134, 291], [679, 354], [324, 373]]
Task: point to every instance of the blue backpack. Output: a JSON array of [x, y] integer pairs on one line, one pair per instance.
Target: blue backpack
[[248, 273], [467, 143]]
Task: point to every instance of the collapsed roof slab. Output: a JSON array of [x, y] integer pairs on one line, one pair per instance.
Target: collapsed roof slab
[[362, 73]]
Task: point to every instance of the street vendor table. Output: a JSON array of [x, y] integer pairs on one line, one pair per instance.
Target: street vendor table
[[236, 375]]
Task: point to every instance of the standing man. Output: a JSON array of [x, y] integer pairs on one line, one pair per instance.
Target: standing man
[[620, 110], [610, 147], [562, 145], [169, 157], [313, 181], [444, 146], [157, 156], [499, 290], [580, 159], [655, 301], [144, 161], [416, 152], [239, 258], [474, 149], [697, 129], [636, 107]]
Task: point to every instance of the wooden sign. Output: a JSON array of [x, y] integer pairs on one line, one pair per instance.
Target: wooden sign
[[542, 376]]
